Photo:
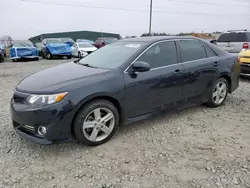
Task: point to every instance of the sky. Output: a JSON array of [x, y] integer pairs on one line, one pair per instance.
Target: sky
[[22, 20]]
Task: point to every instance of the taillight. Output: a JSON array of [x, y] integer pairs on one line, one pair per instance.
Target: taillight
[[238, 59], [245, 45]]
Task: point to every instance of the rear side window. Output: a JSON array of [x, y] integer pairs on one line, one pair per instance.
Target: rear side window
[[161, 54], [191, 50], [210, 53], [235, 37]]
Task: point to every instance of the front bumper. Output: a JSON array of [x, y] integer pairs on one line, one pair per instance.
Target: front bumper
[[57, 118], [24, 57]]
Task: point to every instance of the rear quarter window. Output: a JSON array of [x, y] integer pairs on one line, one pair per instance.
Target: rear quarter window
[[235, 37]]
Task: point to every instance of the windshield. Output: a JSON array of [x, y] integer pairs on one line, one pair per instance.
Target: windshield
[[54, 41], [113, 55], [67, 40], [234, 37], [23, 44], [84, 45]]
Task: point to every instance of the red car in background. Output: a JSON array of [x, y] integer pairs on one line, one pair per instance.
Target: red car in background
[[100, 42]]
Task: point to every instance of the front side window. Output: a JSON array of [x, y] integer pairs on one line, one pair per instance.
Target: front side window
[[191, 50], [161, 54]]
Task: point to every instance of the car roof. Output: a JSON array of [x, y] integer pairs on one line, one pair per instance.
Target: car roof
[[154, 39]]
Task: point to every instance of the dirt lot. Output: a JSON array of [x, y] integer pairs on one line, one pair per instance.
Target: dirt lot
[[197, 147]]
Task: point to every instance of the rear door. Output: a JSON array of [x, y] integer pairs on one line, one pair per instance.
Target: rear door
[[233, 42], [201, 66]]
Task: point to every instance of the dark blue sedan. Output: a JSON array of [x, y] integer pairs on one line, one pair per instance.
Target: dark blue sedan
[[126, 81]]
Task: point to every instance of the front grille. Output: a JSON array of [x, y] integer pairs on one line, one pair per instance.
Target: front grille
[[25, 128], [89, 52]]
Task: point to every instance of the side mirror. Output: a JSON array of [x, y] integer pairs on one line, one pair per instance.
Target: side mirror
[[140, 66]]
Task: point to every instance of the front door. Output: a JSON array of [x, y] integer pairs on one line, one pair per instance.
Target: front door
[[201, 69], [161, 87]]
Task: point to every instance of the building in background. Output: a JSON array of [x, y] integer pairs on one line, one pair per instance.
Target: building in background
[[90, 35]]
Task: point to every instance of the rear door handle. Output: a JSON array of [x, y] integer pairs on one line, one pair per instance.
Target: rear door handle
[[177, 72], [216, 64]]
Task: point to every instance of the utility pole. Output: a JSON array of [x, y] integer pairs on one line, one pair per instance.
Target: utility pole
[[150, 19]]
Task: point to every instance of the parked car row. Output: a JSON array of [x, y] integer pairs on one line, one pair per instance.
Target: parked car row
[[55, 47]]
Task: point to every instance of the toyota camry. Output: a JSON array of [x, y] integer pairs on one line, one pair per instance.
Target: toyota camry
[[126, 81]]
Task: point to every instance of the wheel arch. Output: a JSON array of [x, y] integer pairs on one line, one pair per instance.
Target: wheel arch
[[89, 99], [229, 81]]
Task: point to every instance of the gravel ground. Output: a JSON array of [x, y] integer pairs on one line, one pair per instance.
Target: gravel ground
[[197, 147]]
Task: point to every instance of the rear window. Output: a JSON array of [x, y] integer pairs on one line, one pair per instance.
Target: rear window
[[234, 37]]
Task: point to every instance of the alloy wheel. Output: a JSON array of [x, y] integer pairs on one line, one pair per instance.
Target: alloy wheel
[[98, 124], [219, 92]]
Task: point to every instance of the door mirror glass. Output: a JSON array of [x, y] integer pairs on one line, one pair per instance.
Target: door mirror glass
[[141, 66]]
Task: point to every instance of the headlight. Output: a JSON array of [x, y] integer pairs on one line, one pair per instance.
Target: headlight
[[40, 100]]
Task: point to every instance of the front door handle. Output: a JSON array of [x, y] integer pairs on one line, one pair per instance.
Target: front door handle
[[216, 64], [177, 72]]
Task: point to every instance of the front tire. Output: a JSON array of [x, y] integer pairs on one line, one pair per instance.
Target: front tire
[[48, 56], [96, 123], [218, 93], [79, 55], [69, 57]]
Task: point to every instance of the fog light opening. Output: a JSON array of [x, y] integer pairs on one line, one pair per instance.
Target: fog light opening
[[42, 130]]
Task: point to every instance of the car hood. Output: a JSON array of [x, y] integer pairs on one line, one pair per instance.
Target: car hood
[[52, 79], [89, 49]]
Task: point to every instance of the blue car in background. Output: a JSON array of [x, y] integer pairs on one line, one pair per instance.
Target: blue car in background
[[23, 50], [2, 47], [1, 54], [54, 47], [68, 41]]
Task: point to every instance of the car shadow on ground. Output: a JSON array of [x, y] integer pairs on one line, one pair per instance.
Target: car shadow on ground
[[124, 130], [244, 78]]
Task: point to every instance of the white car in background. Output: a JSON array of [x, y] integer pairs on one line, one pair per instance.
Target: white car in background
[[82, 49], [234, 41]]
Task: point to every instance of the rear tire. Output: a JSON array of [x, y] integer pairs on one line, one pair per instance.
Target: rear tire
[[218, 93], [96, 122]]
